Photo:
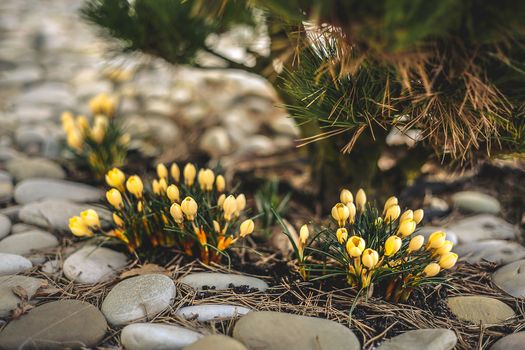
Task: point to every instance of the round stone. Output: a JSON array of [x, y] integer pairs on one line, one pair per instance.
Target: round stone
[[483, 227], [276, 331], [37, 189], [514, 341], [511, 278], [209, 312], [9, 300], [56, 325], [219, 281], [26, 243], [216, 142], [494, 250], [11, 264], [5, 226], [476, 309], [153, 336], [428, 339], [476, 202], [216, 341], [6, 187], [138, 298], [93, 264], [27, 168]]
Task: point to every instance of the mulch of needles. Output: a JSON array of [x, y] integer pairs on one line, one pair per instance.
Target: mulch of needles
[[373, 320]]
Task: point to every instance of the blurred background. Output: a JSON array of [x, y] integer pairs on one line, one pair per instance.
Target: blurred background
[[243, 86]]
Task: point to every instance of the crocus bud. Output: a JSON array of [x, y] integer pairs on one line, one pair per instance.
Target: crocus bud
[[135, 186], [163, 185], [340, 213], [418, 215], [351, 212], [241, 204], [436, 239], [304, 233], [162, 171], [341, 234], [390, 202], [189, 174], [431, 270], [392, 245], [355, 246], [220, 200], [78, 227], [90, 218], [68, 122], [114, 198], [118, 220], [247, 227], [360, 200], [406, 228], [156, 187], [175, 172], [407, 215], [102, 104], [369, 258], [115, 178], [445, 248], [98, 133], [189, 208], [216, 226], [82, 123], [74, 139], [173, 193], [206, 178], [229, 207], [392, 213], [416, 243], [176, 213], [448, 260], [346, 196], [220, 183]]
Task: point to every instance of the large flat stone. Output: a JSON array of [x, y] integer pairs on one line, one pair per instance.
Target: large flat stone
[[476, 309], [209, 312], [476, 202], [93, 264], [515, 341], [11, 264], [28, 244], [138, 298], [281, 331], [33, 190], [483, 227], [154, 336], [498, 251], [56, 325], [428, 339], [9, 300], [28, 168], [54, 214], [5, 226], [511, 278], [216, 341], [219, 281]]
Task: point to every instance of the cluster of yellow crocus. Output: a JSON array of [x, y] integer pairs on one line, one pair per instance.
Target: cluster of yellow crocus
[[101, 142], [83, 225], [371, 243]]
